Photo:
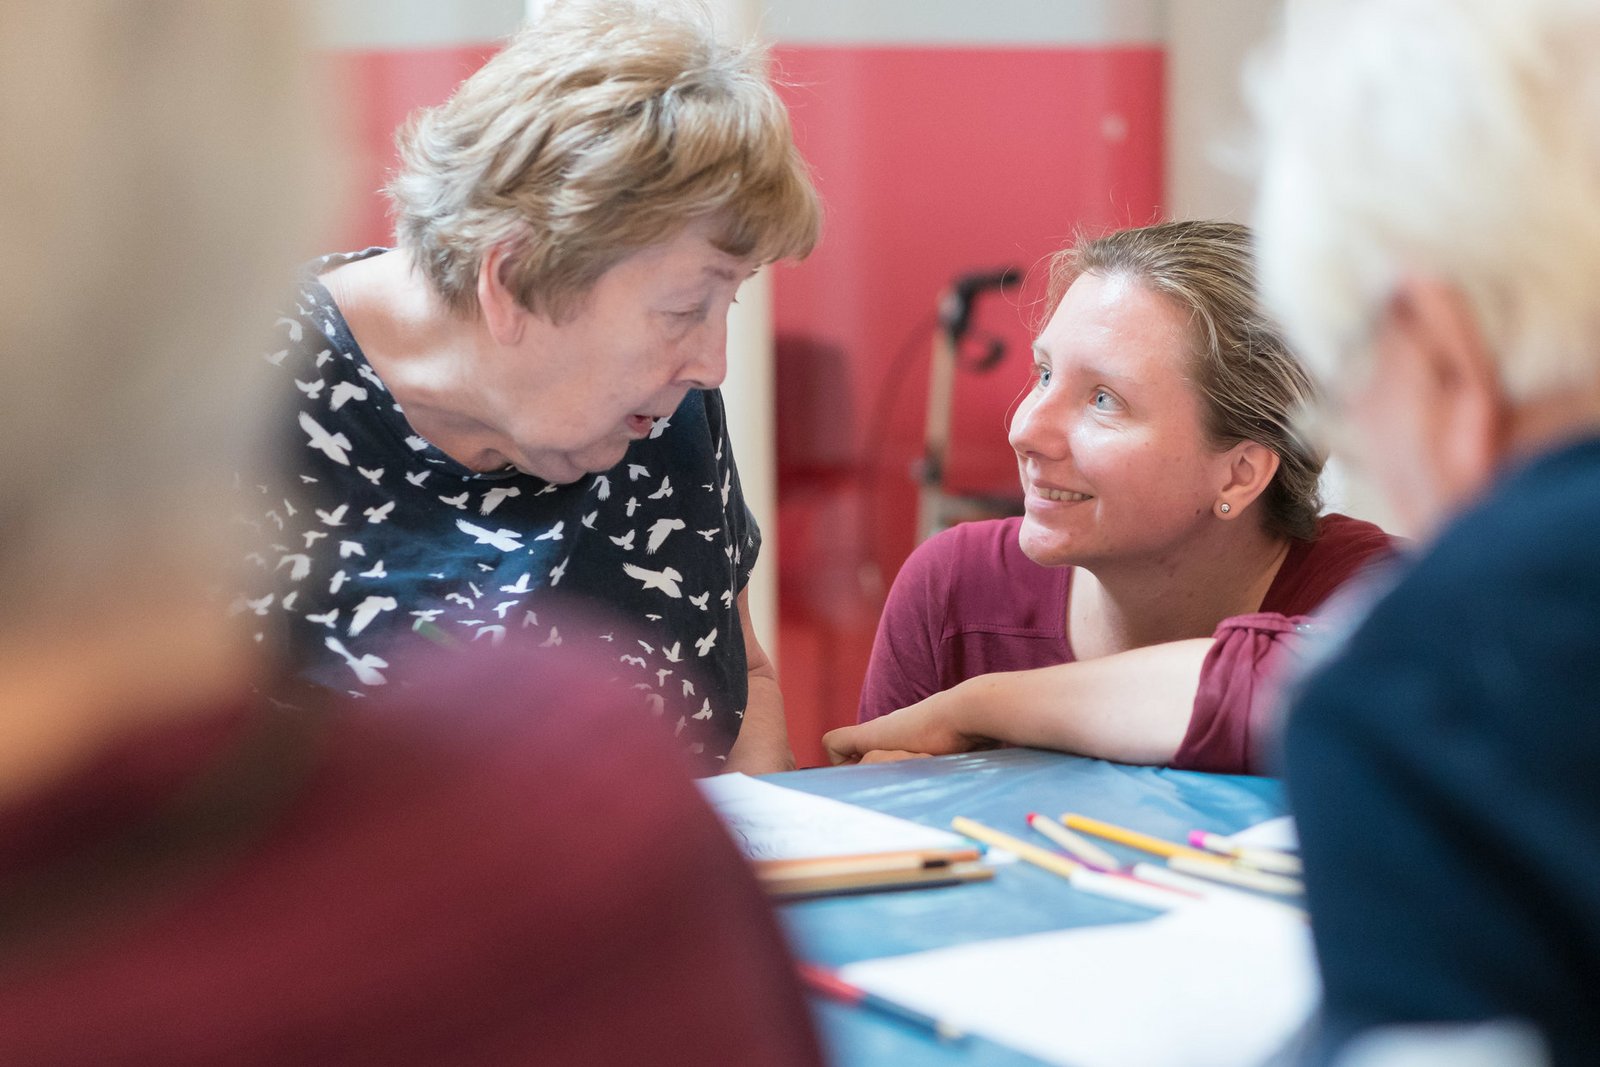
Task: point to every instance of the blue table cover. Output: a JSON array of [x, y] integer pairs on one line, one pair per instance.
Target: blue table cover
[[998, 788]]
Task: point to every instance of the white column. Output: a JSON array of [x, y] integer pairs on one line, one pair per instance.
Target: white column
[[751, 399]]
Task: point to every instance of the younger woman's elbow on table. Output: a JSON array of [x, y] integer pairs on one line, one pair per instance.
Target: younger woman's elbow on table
[[1132, 707]]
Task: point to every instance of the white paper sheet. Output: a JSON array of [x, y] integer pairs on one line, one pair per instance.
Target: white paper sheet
[[1276, 833], [1212, 985], [773, 823]]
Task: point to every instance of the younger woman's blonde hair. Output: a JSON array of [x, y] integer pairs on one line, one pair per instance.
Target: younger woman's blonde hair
[[602, 128], [1251, 386]]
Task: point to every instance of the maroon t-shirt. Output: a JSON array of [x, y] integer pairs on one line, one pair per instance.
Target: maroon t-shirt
[[969, 602], [501, 864]]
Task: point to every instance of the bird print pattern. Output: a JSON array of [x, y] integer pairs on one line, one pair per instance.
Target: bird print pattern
[[371, 539]]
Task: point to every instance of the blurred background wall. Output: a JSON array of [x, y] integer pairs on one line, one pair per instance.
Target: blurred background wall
[[947, 138]]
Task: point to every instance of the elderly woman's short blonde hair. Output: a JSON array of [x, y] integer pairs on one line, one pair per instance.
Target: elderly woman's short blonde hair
[[602, 128]]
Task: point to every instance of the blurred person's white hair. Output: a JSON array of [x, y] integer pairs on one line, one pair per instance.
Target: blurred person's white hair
[[151, 153], [1454, 139]]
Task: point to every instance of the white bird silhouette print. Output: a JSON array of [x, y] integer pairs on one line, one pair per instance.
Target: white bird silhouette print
[[637, 661], [700, 601], [705, 644], [648, 647], [336, 582], [328, 619], [683, 720], [456, 501], [504, 606], [661, 675], [529, 619], [496, 496], [659, 428], [368, 610], [556, 572], [660, 530], [656, 703], [378, 514], [294, 329], [672, 653], [502, 539], [666, 579], [625, 542], [261, 605], [336, 446], [664, 491], [334, 517], [554, 640], [550, 488], [633, 505], [428, 614], [313, 536], [376, 571], [705, 710], [688, 688], [727, 481], [416, 444], [602, 487], [496, 634], [588, 520], [366, 667], [457, 598], [300, 566], [708, 534], [344, 392], [351, 548], [552, 534], [416, 478], [520, 586], [312, 389], [637, 471]]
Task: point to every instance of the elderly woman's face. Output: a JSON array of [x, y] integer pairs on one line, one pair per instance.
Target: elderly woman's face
[[1110, 442], [573, 395]]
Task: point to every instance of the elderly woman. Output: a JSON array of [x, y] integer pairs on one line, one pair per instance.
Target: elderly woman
[[1430, 220], [519, 401], [190, 875], [1171, 543]]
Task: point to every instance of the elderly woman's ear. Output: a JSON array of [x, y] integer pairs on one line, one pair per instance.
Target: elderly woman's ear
[[1251, 466], [503, 314]]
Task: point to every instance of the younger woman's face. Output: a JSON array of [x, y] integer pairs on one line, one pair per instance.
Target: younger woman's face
[[1110, 441]]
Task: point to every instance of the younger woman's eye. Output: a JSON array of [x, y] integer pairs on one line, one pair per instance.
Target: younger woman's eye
[[1041, 374], [1104, 401]]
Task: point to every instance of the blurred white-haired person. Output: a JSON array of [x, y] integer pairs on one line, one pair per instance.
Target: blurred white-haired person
[[1429, 222], [189, 873]]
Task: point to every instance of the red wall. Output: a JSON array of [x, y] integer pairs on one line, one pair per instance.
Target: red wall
[[932, 162]]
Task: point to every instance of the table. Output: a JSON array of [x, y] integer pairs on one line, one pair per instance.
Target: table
[[999, 788]]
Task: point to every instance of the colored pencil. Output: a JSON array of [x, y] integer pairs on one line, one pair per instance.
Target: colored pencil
[[1132, 838], [1208, 891], [1111, 885], [1072, 844], [1221, 870], [826, 982], [1262, 859]]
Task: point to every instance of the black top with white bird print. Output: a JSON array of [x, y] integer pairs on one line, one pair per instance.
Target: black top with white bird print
[[373, 536]]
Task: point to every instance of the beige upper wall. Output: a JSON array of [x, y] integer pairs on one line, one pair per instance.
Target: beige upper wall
[[1208, 43]]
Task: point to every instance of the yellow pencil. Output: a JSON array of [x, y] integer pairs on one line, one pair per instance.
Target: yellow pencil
[[1132, 838]]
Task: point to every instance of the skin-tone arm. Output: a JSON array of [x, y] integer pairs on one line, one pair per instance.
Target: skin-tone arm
[[762, 746], [1132, 707]]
